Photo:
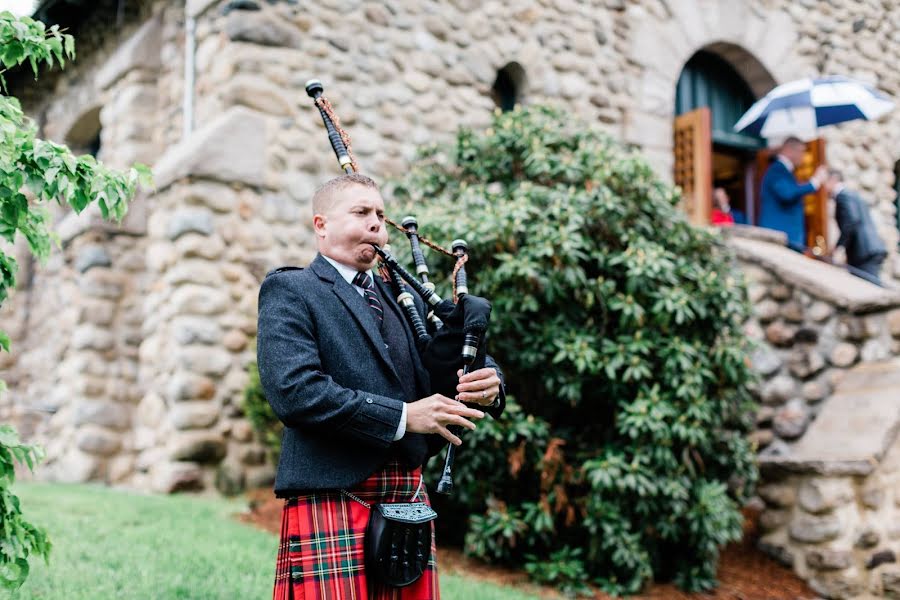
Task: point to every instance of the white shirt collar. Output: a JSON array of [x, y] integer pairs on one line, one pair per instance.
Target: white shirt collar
[[348, 273], [786, 162], [837, 190]]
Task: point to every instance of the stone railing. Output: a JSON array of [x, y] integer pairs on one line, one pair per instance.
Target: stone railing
[[813, 322]]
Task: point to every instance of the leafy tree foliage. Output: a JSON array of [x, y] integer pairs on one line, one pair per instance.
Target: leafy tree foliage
[[18, 538], [618, 325], [34, 172]]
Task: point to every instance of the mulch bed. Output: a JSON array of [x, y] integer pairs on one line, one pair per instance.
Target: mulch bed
[[745, 573]]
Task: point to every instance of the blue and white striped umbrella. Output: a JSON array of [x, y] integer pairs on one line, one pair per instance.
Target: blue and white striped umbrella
[[799, 107]]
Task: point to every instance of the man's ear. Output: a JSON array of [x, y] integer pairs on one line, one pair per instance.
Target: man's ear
[[319, 222]]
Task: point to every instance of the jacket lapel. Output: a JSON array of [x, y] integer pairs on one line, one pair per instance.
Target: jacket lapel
[[356, 306]]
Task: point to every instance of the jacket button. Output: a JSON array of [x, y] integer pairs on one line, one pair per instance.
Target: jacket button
[[368, 401]]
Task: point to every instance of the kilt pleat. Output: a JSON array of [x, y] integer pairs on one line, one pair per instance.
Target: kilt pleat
[[321, 554]]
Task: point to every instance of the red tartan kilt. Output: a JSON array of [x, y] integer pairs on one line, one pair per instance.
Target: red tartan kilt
[[321, 554]]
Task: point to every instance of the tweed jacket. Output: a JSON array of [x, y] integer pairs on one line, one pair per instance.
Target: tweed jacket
[[328, 375]]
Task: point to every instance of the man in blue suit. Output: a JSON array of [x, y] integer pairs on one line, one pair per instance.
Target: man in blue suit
[[339, 365], [782, 195]]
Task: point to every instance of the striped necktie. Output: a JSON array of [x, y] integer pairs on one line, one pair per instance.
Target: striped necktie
[[364, 281]]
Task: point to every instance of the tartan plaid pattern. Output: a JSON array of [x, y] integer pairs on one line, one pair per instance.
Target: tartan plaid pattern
[[321, 554]]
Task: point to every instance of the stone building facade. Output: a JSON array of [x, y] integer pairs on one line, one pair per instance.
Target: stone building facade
[[130, 345]]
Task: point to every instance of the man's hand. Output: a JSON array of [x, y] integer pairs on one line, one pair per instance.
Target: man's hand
[[436, 413], [820, 176], [479, 387]]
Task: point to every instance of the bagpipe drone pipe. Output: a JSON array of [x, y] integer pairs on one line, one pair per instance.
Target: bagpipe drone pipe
[[457, 326]]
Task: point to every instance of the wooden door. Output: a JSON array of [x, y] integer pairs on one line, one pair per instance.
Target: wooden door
[[693, 163], [815, 208]]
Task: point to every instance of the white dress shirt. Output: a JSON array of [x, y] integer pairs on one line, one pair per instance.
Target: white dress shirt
[[349, 273]]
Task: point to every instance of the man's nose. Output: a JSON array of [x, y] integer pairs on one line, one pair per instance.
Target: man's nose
[[374, 225]]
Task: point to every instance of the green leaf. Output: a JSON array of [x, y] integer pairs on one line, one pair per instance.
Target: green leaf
[[69, 43]]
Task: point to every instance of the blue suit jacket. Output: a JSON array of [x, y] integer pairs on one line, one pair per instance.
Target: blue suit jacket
[[328, 375], [782, 203]]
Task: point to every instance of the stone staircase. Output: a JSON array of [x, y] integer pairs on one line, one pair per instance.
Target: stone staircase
[[833, 499], [829, 422]]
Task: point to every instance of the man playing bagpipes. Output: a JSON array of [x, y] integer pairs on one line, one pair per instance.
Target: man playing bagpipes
[[341, 367]]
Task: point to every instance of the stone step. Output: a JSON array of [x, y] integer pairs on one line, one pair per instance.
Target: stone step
[[854, 428]]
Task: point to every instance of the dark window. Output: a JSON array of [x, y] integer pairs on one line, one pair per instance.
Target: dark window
[[84, 136], [507, 90], [93, 147]]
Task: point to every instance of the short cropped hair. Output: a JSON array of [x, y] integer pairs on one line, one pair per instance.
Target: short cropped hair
[[323, 197], [836, 174], [793, 141]]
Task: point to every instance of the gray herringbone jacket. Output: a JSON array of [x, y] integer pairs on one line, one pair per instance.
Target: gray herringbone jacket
[[328, 376]]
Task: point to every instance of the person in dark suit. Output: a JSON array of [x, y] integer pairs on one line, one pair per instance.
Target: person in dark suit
[[865, 249], [781, 195], [339, 365]]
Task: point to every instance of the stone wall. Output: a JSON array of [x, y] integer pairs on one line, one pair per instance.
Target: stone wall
[[833, 501], [839, 531], [96, 382], [130, 344], [210, 244]]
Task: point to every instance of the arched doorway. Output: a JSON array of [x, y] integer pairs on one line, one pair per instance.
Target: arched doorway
[[710, 97]]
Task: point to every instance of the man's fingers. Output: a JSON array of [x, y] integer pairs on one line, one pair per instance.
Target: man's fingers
[[470, 386], [462, 410], [445, 433], [478, 385], [478, 398], [476, 375], [459, 421]]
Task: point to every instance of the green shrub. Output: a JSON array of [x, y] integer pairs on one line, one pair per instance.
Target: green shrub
[[261, 416], [619, 328], [19, 539]]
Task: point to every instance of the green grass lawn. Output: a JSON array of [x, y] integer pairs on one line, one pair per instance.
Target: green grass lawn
[[109, 544]]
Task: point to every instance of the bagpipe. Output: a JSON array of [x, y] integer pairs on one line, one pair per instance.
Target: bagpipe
[[458, 325]]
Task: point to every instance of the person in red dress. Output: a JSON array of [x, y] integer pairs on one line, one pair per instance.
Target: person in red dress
[[721, 211]]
